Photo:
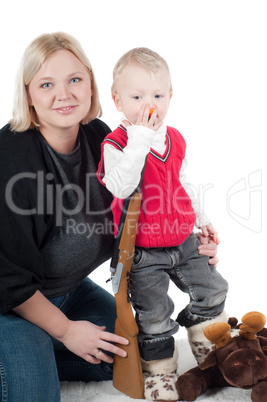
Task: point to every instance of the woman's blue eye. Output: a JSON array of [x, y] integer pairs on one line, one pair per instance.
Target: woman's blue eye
[[46, 85], [75, 80]]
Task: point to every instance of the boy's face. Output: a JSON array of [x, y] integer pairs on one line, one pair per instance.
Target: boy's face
[[138, 86]]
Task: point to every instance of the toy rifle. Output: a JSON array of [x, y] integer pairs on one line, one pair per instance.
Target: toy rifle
[[127, 371]]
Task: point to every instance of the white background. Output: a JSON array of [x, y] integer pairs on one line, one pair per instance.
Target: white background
[[216, 51]]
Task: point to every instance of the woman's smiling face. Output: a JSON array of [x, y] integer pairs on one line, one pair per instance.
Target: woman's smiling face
[[60, 93]]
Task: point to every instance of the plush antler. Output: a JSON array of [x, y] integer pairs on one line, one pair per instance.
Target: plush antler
[[218, 333], [252, 323]]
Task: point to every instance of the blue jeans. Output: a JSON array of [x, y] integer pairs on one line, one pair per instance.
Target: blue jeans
[[151, 272], [32, 363]]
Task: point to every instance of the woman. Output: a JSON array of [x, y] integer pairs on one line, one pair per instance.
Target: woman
[[55, 323]]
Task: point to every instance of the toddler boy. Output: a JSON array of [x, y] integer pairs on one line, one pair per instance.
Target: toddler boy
[[166, 247]]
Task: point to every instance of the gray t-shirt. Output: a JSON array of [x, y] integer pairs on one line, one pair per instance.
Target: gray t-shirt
[[80, 221]]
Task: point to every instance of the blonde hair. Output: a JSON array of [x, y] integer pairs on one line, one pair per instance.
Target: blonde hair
[[143, 57], [24, 116]]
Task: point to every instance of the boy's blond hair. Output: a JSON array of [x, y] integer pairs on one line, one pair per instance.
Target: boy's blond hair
[[24, 116], [143, 57]]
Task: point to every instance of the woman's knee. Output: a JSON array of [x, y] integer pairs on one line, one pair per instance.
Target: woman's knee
[[27, 362], [91, 302]]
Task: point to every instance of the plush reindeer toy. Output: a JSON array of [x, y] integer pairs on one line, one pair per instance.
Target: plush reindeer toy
[[238, 361]]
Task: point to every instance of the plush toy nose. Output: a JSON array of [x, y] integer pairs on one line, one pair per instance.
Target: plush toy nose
[[244, 368]]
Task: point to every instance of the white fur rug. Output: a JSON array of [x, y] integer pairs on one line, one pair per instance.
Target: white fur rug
[[105, 392]]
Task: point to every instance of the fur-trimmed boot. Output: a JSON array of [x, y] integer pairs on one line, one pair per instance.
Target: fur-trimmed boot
[[160, 377], [199, 344]]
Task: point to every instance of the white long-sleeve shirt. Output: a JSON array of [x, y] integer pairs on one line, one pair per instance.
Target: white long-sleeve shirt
[[123, 167]]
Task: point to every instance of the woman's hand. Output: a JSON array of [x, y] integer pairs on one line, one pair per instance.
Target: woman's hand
[[89, 341], [208, 247], [80, 337]]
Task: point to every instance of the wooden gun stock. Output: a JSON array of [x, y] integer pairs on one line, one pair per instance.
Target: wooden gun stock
[[127, 371]]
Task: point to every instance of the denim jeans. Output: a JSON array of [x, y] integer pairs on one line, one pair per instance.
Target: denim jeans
[[149, 281], [32, 363]]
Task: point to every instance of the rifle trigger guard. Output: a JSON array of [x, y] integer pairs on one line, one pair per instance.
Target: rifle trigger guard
[[117, 278]]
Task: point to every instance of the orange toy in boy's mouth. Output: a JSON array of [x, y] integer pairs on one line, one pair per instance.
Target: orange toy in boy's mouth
[[150, 112]]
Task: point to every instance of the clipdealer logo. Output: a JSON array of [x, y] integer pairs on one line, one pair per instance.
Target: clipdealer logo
[[244, 201], [50, 196]]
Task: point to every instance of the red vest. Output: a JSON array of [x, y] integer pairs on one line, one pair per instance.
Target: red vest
[[167, 217]]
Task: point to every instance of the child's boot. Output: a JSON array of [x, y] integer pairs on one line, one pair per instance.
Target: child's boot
[[199, 344], [160, 377]]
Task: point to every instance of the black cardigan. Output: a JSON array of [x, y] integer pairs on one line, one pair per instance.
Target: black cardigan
[[24, 230]]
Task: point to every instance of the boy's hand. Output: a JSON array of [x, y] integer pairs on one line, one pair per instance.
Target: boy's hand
[[148, 118], [209, 231], [126, 123]]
